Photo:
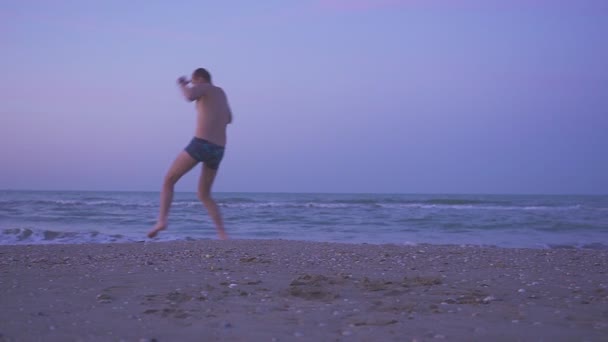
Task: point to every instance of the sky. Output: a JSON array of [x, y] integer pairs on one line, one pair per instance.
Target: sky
[[392, 96]]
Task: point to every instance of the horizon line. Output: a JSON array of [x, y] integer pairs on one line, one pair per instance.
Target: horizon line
[[329, 193]]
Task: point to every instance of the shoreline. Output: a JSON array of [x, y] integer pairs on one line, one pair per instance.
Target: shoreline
[[51, 237], [246, 290]]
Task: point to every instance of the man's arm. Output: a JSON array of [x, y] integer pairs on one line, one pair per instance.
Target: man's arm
[[194, 92], [191, 93]]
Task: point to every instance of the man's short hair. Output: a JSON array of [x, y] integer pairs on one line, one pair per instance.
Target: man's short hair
[[202, 73]]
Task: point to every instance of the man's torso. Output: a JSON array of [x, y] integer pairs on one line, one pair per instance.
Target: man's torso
[[213, 115]]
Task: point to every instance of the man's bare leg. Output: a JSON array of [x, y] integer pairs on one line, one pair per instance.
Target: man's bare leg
[[182, 164], [204, 194]]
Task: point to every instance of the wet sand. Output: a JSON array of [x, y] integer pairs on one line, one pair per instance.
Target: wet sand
[[268, 290]]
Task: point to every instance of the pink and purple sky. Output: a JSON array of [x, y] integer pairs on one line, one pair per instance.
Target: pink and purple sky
[[436, 96]]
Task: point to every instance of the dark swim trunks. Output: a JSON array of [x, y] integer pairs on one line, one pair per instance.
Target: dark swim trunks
[[207, 152]]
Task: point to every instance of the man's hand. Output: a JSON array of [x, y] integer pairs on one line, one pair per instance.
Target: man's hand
[[182, 80]]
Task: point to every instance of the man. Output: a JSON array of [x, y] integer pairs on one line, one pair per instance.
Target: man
[[207, 146]]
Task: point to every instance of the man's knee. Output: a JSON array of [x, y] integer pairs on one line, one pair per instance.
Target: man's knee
[[171, 179], [204, 197]]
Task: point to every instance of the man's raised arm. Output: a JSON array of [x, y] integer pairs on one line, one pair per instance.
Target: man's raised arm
[[193, 92]]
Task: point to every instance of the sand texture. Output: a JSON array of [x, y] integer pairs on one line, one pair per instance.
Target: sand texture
[[268, 290]]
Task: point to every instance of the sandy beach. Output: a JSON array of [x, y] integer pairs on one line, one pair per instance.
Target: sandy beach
[[269, 290]]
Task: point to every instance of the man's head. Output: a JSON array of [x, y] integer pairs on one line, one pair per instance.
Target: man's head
[[201, 75]]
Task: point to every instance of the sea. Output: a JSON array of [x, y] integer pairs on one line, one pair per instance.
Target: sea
[[511, 221]]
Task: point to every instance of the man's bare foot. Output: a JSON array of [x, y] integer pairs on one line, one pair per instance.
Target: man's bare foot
[[157, 228]]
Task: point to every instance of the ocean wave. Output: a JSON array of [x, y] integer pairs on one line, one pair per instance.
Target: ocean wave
[[262, 205], [359, 201], [386, 205], [476, 207], [15, 236], [454, 201], [75, 203], [472, 237], [544, 207], [237, 202]]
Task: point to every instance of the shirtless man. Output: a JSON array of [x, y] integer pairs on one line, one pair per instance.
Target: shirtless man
[[207, 146]]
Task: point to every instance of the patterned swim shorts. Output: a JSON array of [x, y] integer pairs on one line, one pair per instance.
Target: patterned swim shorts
[[206, 152]]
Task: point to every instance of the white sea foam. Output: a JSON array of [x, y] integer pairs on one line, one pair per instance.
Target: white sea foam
[[16, 236]]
